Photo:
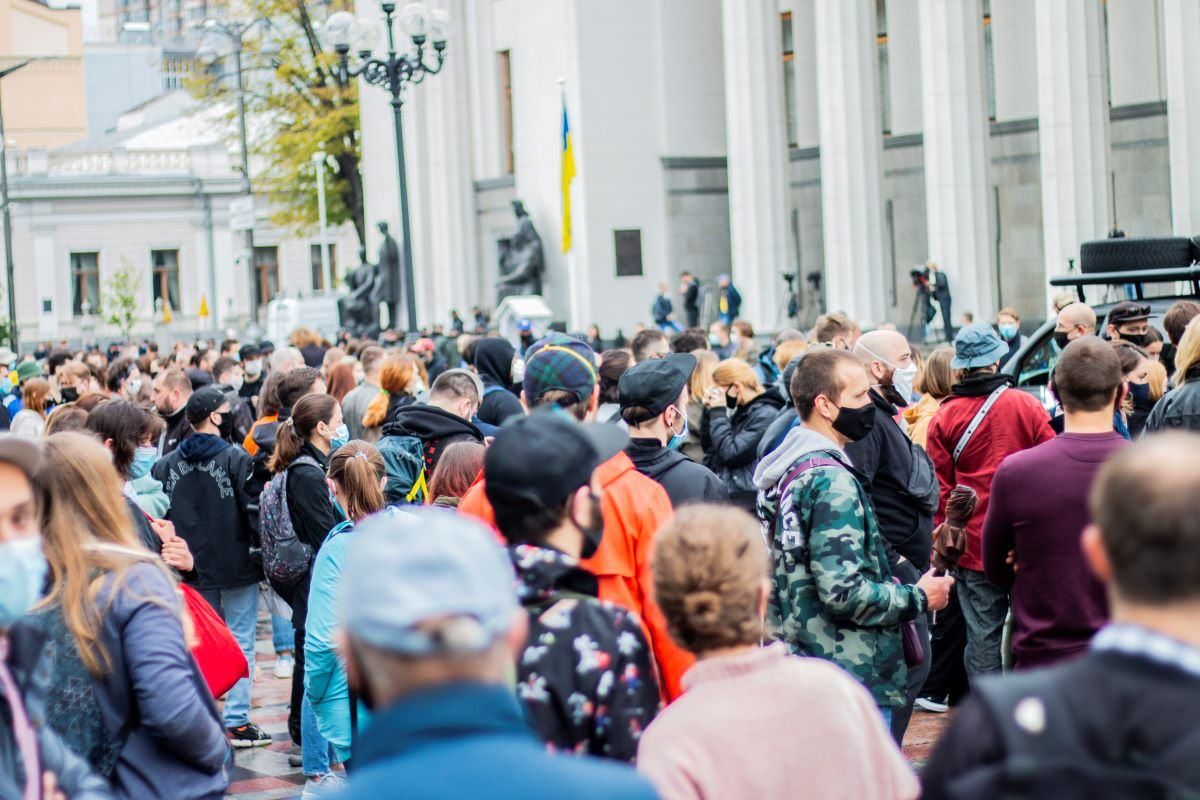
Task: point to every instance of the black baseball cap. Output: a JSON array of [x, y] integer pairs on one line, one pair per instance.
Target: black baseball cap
[[249, 351], [655, 384], [1128, 311], [539, 460], [204, 402]]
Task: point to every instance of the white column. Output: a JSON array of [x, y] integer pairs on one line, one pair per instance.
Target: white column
[[956, 165], [804, 59], [756, 143], [851, 152], [1181, 26], [1072, 127]]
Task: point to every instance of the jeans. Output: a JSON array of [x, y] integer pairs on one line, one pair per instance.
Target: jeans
[[315, 752], [669, 326], [239, 608], [908, 573], [282, 635], [984, 606]]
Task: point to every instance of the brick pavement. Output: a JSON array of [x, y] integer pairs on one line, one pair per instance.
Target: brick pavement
[[263, 773]]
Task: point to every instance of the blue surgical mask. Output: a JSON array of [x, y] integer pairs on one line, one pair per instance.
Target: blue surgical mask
[[143, 459], [22, 573], [1008, 332], [677, 439], [341, 437]]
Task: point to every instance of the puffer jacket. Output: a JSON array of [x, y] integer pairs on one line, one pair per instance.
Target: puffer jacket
[[730, 443], [1179, 408]]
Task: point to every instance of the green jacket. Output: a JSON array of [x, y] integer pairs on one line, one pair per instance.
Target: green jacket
[[833, 595]]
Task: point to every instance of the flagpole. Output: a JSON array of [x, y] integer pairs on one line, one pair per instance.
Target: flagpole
[[573, 320]]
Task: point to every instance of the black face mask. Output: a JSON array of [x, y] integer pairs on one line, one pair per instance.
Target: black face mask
[[69, 394], [593, 530], [855, 423], [731, 401], [225, 428], [1139, 339], [1060, 339]]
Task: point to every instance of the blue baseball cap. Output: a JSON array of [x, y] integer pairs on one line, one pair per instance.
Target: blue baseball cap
[[406, 568], [977, 345]]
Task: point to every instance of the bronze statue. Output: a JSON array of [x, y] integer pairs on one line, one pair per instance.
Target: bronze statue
[[359, 310], [388, 280], [521, 259]]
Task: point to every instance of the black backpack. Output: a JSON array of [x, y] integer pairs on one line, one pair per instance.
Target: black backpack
[[1047, 756]]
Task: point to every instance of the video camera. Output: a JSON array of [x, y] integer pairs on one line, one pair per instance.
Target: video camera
[[920, 278]]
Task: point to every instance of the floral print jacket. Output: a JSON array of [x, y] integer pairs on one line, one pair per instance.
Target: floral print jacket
[[586, 676]]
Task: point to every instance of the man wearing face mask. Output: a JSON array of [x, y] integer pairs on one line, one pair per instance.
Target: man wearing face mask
[[205, 478], [1073, 322], [654, 397], [1008, 323], [34, 763], [833, 595], [171, 392], [228, 374], [1129, 321], [900, 480], [252, 361], [587, 676]]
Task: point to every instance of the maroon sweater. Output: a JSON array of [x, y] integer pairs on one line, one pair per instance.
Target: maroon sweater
[[1039, 509]]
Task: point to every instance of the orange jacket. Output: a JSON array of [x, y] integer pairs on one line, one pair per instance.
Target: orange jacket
[[634, 507], [248, 443]]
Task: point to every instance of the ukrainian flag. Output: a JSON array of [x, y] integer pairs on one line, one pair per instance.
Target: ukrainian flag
[[568, 175]]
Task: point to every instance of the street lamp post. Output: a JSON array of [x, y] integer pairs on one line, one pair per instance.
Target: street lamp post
[[326, 270], [7, 214], [392, 73]]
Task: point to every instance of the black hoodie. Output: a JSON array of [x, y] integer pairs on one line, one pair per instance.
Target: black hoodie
[[493, 362], [437, 429], [684, 480]]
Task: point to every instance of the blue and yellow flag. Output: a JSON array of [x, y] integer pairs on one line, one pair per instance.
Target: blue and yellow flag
[[568, 175]]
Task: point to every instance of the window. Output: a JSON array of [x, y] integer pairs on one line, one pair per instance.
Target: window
[[175, 72], [885, 83], [266, 269], [989, 60], [85, 282], [504, 60], [318, 275], [789, 78], [165, 265]]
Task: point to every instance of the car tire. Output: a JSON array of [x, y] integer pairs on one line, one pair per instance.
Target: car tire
[[1136, 253]]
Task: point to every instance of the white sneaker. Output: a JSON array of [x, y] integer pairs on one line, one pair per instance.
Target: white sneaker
[[284, 667], [931, 705], [327, 785]]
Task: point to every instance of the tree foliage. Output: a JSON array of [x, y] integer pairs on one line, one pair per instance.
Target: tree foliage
[[297, 105], [119, 303]]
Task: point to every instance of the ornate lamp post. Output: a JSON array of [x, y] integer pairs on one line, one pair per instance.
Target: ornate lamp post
[[392, 73]]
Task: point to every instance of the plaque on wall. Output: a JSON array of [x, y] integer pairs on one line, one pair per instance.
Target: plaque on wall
[[629, 252]]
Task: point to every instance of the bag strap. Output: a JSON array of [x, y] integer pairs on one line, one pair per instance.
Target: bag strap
[[492, 390], [977, 421], [785, 485]]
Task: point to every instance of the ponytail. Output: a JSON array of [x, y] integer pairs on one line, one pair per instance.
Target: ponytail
[[357, 469], [394, 378], [310, 411]]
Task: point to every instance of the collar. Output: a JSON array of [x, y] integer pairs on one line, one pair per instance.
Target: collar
[[1135, 640], [736, 665], [452, 711], [882, 403], [981, 385]]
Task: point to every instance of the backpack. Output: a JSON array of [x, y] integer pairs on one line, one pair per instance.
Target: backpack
[[922, 486], [1047, 757], [285, 558], [404, 462]]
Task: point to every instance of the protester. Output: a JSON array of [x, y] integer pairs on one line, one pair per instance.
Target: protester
[[1119, 720], [1008, 324], [1134, 407], [933, 383], [30, 421], [34, 762], [737, 412], [1128, 321], [654, 397], [689, 290], [494, 363], [749, 713], [74, 380], [833, 595], [1000, 423], [354, 404], [786, 417], [26, 371], [613, 364], [662, 311], [286, 359], [586, 676], [1175, 322], [129, 433], [1180, 407], [171, 392], [112, 611], [356, 475], [741, 336], [67, 417], [310, 344], [460, 464], [1038, 509], [719, 341], [900, 480], [265, 427], [426, 351], [729, 300], [837, 330], [433, 629], [1156, 379], [205, 479], [1154, 344], [689, 340], [252, 368], [443, 420], [647, 344], [124, 379], [228, 374]]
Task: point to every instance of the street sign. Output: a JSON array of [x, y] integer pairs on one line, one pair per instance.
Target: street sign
[[241, 214]]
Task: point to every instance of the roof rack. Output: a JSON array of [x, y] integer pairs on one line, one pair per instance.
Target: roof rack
[[1135, 277]]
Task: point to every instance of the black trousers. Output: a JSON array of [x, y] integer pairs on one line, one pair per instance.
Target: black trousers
[[297, 688], [908, 573], [948, 674]]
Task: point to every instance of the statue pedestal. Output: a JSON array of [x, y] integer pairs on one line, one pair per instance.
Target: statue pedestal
[[517, 307]]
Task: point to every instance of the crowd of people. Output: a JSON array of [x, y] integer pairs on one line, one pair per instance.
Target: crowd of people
[[689, 567]]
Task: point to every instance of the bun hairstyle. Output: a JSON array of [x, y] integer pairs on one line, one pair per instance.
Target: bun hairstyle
[[395, 376], [357, 469], [709, 565]]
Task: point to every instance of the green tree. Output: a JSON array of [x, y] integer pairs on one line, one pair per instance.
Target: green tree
[[296, 105], [119, 302]]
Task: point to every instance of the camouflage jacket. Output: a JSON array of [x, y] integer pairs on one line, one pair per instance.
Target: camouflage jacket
[[833, 595]]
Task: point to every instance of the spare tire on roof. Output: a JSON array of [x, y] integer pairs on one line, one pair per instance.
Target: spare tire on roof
[[1134, 253]]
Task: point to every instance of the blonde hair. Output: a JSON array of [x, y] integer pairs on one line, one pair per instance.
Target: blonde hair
[[709, 565], [395, 376], [786, 351], [303, 337], [734, 370], [1156, 377], [83, 514], [1188, 353], [702, 375], [936, 379]]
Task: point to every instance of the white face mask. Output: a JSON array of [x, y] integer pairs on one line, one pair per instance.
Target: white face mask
[[236, 383], [902, 377], [254, 369], [134, 386], [518, 371]]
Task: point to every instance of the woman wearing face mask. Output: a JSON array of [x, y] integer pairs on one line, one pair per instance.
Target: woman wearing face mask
[[356, 478], [30, 421], [398, 381], [34, 761], [1180, 407], [1130, 418], [1008, 323], [302, 448], [124, 380], [147, 719], [730, 440]]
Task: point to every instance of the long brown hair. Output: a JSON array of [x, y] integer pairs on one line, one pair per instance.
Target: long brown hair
[[357, 468], [309, 412], [456, 470], [340, 381], [34, 393], [80, 505], [394, 378]]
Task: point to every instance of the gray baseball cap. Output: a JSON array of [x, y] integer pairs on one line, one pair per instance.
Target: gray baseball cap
[[405, 568], [21, 453]]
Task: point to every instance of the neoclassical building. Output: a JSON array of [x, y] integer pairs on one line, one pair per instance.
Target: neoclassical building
[[853, 138]]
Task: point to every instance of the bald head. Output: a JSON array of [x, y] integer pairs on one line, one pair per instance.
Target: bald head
[[881, 352], [1076, 320]]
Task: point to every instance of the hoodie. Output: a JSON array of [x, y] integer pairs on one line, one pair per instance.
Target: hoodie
[[437, 429], [684, 480], [493, 362]]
